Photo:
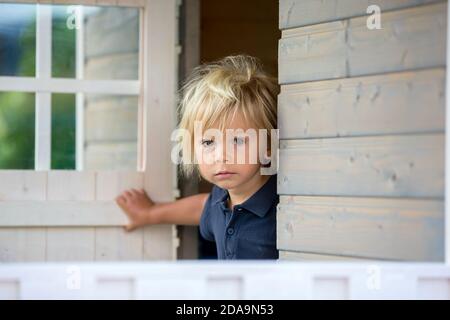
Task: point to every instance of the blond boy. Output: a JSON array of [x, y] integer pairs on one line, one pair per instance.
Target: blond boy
[[226, 135]]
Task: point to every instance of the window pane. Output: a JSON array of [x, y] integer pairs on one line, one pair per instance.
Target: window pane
[[17, 117], [17, 39], [110, 132], [63, 43], [63, 131], [110, 42]]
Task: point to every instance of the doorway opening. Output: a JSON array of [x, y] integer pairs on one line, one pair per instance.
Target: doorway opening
[[210, 30]]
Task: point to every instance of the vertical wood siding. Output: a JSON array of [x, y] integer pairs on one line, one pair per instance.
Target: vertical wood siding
[[71, 216]]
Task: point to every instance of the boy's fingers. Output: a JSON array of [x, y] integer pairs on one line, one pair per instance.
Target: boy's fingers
[[128, 194], [123, 205], [119, 200]]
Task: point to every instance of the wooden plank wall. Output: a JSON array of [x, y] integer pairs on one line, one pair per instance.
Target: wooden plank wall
[[71, 216], [361, 118]]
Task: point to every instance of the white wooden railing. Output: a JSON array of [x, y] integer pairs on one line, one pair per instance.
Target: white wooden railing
[[225, 280]]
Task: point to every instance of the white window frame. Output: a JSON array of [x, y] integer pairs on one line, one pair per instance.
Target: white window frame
[[156, 87], [447, 147], [43, 84]]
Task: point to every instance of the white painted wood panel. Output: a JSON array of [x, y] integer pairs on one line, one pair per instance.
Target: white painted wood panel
[[23, 244], [71, 244], [397, 229], [285, 255], [60, 214], [115, 244], [313, 53], [234, 280], [159, 97], [361, 115], [62, 85], [22, 185], [9, 290], [71, 185], [73, 213], [160, 242], [125, 3], [295, 13], [410, 38], [400, 103], [391, 166], [112, 183], [43, 105]]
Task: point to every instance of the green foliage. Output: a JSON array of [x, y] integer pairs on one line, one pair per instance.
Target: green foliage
[[63, 131], [17, 130], [17, 114], [63, 45], [63, 105], [17, 110]]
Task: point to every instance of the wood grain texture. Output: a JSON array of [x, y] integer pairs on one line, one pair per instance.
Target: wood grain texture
[[22, 185], [71, 185], [295, 13], [159, 109], [160, 242], [410, 38], [159, 99], [115, 244], [313, 53], [124, 3], [380, 228], [22, 244], [395, 103], [111, 183], [386, 166], [285, 255], [70, 244], [60, 214]]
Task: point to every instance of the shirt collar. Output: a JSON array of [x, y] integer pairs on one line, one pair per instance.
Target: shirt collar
[[260, 202]]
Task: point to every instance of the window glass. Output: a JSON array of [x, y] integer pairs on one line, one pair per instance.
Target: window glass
[[63, 131], [17, 126], [110, 132], [17, 40]]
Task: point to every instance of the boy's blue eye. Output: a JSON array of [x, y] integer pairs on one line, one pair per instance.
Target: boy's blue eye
[[238, 140], [207, 143]]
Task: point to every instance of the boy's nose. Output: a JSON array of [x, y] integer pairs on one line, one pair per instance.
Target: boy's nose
[[223, 155]]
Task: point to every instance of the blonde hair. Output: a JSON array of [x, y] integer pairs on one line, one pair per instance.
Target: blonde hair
[[214, 92]]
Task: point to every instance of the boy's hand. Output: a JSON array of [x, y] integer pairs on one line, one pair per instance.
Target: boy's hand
[[138, 208]]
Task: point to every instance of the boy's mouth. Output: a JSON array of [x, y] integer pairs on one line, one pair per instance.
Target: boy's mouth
[[224, 174]]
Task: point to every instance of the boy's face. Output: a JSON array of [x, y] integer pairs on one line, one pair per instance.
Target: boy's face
[[231, 160]]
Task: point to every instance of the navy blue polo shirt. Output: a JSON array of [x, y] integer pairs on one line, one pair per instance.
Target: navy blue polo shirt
[[246, 232]]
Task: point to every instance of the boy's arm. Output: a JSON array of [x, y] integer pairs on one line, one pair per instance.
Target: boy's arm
[[141, 210]]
